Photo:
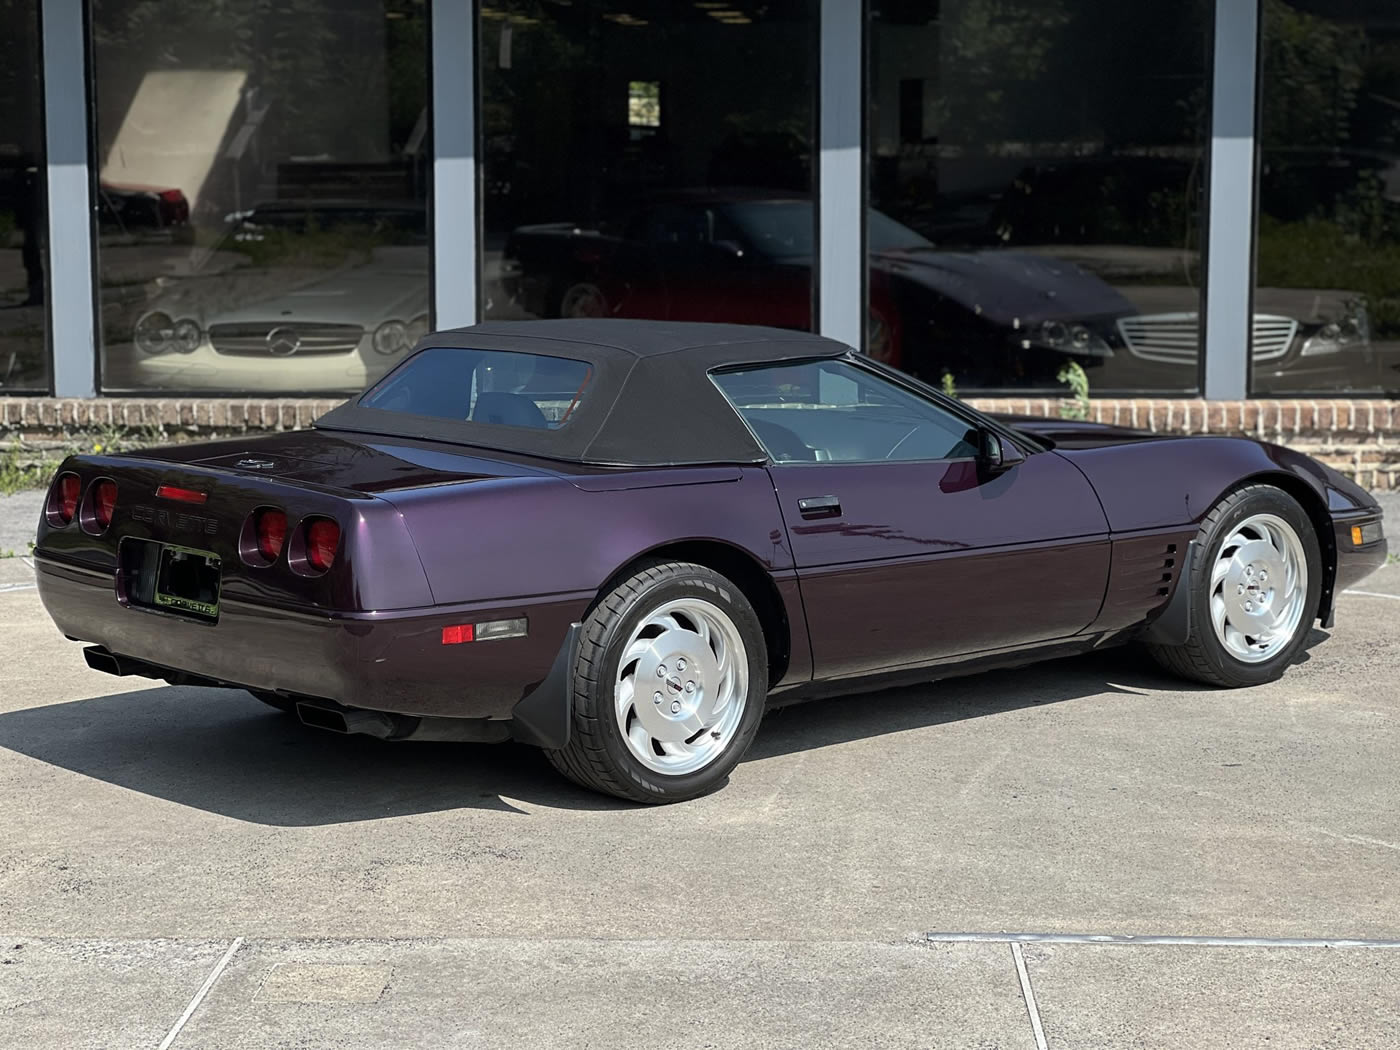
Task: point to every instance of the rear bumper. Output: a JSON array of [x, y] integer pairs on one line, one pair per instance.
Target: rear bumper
[[393, 661]]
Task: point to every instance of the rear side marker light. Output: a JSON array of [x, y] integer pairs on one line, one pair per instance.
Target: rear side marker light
[[487, 631], [493, 630], [104, 504], [67, 490], [180, 495], [322, 539]]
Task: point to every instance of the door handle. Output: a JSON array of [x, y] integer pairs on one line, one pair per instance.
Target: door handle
[[819, 507]]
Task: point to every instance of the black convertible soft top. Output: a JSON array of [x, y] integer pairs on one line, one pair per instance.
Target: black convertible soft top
[[650, 400]]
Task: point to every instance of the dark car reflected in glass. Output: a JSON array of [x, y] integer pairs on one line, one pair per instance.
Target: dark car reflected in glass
[[1328, 229], [989, 318], [1061, 177], [596, 123]]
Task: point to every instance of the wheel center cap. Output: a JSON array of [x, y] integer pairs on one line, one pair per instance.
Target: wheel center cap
[[673, 685]]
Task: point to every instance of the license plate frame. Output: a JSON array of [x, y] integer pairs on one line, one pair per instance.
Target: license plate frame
[[182, 569], [170, 578]]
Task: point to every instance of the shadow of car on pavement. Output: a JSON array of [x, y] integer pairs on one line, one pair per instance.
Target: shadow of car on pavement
[[222, 751]]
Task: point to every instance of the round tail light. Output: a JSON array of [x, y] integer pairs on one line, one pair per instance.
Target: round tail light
[[322, 539], [68, 488], [104, 504], [272, 533]]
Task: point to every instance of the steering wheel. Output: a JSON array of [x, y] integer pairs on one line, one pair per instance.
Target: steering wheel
[[782, 443]]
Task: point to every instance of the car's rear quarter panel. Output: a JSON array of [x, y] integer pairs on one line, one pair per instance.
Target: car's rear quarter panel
[[530, 536], [569, 536]]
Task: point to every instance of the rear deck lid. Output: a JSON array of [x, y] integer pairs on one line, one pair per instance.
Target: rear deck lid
[[363, 464]]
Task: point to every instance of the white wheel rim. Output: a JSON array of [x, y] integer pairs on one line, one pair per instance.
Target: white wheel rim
[[1258, 588], [682, 687]]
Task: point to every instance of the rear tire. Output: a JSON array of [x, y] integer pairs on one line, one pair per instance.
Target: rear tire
[[685, 634], [1255, 588]]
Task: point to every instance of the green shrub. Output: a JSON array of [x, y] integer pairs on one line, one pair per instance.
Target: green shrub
[[1074, 376]]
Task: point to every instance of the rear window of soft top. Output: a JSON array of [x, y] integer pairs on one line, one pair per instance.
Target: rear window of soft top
[[501, 387]]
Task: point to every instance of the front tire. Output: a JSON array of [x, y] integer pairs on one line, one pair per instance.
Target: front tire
[[669, 686], [583, 299], [1255, 587]]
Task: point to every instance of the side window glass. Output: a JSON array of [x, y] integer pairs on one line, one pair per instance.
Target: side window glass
[[833, 411]]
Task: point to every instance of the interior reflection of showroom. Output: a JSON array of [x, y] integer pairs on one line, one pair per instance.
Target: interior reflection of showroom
[[278, 199]]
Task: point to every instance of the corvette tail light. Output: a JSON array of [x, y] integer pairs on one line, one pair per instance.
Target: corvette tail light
[[271, 530], [322, 539], [104, 504], [67, 489]]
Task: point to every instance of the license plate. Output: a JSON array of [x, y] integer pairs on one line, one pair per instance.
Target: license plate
[[187, 580]]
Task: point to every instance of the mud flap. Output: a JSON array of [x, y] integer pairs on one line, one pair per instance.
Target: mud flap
[[544, 717], [1173, 625]]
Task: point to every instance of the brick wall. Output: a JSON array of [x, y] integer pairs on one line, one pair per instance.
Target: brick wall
[[1360, 438]]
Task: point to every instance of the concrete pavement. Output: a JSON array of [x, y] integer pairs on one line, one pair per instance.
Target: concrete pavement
[[19, 517], [457, 895]]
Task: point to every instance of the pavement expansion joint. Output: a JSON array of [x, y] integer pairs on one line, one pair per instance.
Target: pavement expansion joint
[[1015, 939], [199, 996], [1028, 995]]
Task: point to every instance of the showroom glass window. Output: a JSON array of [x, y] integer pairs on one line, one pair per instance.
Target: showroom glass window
[[262, 173], [1327, 265], [24, 356], [648, 160], [1036, 178]]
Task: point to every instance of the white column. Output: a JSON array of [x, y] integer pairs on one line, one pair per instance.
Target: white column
[[1229, 274], [69, 295], [841, 210], [456, 254]]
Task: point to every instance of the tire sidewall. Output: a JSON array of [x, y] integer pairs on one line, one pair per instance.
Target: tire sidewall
[[569, 287], [711, 587], [1259, 500]]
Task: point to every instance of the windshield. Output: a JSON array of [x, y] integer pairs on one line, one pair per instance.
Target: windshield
[[777, 229], [883, 234], [784, 229]]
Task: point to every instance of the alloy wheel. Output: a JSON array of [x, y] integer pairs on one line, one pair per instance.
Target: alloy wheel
[[1258, 588], [682, 686]]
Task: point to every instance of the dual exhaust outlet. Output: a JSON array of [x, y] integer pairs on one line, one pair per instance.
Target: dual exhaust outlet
[[324, 714], [384, 725]]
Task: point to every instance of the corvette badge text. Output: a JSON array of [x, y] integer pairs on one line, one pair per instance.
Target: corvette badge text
[[177, 520]]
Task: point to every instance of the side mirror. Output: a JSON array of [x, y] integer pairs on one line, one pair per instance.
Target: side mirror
[[997, 454]]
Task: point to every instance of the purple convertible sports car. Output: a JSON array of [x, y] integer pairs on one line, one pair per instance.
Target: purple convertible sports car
[[621, 541]]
